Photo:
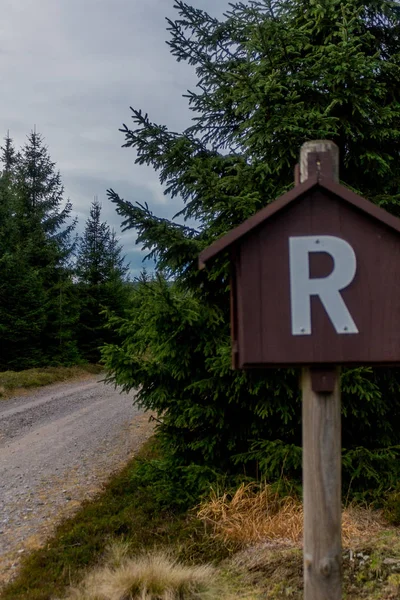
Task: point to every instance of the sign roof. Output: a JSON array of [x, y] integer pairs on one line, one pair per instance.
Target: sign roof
[[290, 197]]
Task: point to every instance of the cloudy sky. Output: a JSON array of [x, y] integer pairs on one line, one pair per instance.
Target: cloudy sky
[[72, 68]]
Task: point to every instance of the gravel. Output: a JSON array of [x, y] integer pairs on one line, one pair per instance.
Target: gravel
[[57, 447]]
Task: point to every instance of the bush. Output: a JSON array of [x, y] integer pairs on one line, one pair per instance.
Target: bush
[[271, 76], [175, 488]]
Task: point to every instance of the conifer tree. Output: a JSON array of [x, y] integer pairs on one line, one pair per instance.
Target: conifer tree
[[271, 75], [42, 199], [8, 156], [46, 230], [102, 275], [36, 252], [22, 298]]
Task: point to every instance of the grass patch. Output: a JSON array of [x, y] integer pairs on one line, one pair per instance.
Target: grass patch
[[126, 511], [158, 576], [371, 569], [256, 512], [125, 545], [152, 576], [16, 382]]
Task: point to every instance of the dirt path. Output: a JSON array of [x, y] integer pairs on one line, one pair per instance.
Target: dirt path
[[57, 447]]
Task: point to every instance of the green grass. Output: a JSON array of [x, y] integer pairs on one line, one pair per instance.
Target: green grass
[[14, 382], [128, 512], [125, 510]]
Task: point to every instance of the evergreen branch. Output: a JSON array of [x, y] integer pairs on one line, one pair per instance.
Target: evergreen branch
[[174, 246]]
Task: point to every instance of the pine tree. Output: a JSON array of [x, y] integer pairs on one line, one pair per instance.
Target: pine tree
[[7, 153], [102, 275], [38, 311], [42, 197], [8, 195], [8, 156], [46, 231], [22, 313], [271, 75], [22, 298]]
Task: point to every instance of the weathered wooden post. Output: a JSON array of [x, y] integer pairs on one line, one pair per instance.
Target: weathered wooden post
[[322, 554], [322, 465], [316, 283]]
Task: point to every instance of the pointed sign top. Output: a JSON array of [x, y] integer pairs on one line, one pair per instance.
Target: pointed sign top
[[320, 158]]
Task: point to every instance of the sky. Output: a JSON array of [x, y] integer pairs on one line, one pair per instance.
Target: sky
[[72, 69]]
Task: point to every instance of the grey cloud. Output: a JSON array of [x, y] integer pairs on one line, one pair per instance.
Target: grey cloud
[[73, 68]]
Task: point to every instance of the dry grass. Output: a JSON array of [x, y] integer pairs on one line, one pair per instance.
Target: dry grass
[[256, 513], [16, 383], [371, 568], [154, 576], [361, 523]]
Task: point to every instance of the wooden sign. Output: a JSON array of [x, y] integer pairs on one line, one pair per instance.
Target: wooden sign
[[316, 282], [316, 278]]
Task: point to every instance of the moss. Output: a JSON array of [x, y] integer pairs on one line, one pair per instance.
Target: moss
[[394, 583]]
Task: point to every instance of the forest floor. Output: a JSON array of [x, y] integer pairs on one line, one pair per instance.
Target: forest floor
[[103, 547]]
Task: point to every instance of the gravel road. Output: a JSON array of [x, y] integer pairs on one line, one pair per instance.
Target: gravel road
[[57, 447]]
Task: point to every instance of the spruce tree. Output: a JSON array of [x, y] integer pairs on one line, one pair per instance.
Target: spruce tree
[[102, 276], [42, 202], [38, 312], [271, 75], [22, 298], [8, 156], [46, 230]]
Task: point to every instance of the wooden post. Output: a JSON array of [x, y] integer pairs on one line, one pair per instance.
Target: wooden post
[[321, 397], [321, 490]]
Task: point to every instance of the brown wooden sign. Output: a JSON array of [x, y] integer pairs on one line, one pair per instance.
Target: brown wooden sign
[[316, 280]]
